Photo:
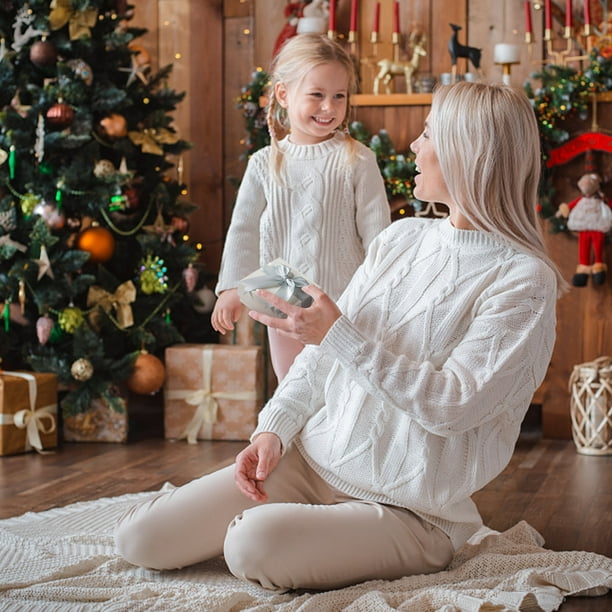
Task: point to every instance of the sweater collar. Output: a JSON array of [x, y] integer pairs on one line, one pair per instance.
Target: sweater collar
[[313, 151], [470, 238]]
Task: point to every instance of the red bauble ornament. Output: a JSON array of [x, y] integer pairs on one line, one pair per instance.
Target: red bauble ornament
[[114, 126], [43, 54], [148, 375], [132, 195], [98, 242], [60, 116]]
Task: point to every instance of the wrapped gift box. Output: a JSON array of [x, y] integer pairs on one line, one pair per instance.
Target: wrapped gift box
[[28, 412], [101, 422], [212, 391], [279, 278]]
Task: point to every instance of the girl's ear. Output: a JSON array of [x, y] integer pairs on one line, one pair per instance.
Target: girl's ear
[[280, 93]]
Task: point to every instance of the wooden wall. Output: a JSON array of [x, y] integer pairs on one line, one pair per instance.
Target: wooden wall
[[221, 42]]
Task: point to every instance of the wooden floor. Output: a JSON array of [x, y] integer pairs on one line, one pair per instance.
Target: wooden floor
[[566, 496]]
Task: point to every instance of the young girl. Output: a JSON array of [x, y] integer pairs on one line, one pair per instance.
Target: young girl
[[315, 197]]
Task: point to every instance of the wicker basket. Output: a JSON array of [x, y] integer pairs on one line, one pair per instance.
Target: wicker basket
[[591, 406]]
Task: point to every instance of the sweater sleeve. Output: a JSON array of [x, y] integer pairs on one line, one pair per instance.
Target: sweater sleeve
[[241, 249], [499, 362], [372, 212], [297, 398]]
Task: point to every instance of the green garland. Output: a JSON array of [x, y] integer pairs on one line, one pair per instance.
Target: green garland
[[565, 93], [398, 169]]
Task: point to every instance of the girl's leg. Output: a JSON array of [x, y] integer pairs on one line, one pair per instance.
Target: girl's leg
[[283, 350], [188, 524], [298, 546]]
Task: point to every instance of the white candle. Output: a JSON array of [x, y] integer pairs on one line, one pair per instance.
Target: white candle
[[505, 53]]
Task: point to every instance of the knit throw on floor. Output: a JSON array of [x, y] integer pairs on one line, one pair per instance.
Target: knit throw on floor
[[64, 559]]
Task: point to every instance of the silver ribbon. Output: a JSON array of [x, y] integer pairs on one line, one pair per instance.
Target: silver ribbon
[[279, 279]]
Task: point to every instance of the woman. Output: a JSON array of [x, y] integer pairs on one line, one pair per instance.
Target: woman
[[410, 392]]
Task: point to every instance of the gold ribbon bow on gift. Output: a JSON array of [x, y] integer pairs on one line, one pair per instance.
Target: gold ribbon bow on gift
[[32, 420], [205, 415], [150, 139], [80, 22], [120, 301]]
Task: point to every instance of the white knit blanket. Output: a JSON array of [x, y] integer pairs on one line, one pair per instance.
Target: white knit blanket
[[64, 559]]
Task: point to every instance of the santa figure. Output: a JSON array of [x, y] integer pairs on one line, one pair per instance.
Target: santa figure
[[591, 216]]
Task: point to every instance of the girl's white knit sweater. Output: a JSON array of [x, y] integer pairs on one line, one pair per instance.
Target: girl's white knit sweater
[[320, 219], [416, 395]]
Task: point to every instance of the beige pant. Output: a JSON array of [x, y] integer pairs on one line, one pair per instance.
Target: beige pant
[[308, 535]]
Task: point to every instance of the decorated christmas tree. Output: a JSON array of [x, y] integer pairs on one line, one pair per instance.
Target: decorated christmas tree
[[97, 271]]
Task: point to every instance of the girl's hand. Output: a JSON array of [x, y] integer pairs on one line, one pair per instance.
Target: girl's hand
[[308, 325], [226, 312], [255, 463]]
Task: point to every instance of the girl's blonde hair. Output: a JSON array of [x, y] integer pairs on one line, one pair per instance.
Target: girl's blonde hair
[[487, 141], [298, 56]]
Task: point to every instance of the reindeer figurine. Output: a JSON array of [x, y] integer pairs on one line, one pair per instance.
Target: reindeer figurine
[[456, 50], [390, 68]]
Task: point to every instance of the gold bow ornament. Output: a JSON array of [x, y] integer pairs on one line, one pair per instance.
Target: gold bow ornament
[[79, 22], [205, 400], [150, 139], [119, 301], [32, 419]]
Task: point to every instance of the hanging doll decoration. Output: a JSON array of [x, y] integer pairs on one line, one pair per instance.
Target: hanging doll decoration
[[591, 216], [293, 13]]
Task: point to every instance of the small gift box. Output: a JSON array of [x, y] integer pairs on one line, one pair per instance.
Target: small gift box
[[106, 420], [28, 409], [212, 391], [279, 278]]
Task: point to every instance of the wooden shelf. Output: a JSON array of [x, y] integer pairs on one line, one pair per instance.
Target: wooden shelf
[[421, 99]]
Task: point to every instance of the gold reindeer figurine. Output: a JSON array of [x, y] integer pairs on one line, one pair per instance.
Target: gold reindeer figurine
[[392, 68]]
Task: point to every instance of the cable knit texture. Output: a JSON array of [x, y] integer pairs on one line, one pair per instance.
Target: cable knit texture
[[321, 219], [416, 395]]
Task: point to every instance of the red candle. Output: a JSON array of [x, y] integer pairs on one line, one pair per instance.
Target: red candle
[[547, 16], [587, 12], [568, 13], [376, 26], [353, 27], [332, 16], [528, 25], [396, 18]]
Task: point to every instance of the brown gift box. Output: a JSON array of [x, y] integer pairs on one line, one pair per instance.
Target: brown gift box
[[28, 410], [212, 391]]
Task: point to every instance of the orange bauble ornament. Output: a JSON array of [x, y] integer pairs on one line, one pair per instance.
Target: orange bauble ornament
[[148, 375], [98, 242], [114, 126]]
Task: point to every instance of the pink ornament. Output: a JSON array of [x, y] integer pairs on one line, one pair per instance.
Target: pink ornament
[[190, 274], [44, 326]]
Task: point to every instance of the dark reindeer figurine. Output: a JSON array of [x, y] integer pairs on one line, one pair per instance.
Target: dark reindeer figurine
[[456, 49]]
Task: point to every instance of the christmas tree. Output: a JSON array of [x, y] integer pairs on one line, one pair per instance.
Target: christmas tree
[[97, 272]]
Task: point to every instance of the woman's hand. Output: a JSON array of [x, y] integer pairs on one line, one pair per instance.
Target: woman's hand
[[255, 463], [226, 312], [308, 325]]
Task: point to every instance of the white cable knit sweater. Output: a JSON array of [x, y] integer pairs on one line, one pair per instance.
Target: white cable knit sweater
[[321, 220], [416, 395]]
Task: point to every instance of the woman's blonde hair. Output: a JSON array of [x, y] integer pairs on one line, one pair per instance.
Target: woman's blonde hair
[[296, 58], [487, 141]]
